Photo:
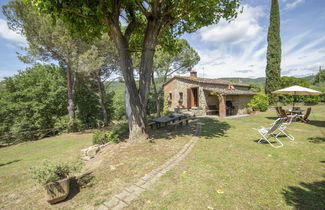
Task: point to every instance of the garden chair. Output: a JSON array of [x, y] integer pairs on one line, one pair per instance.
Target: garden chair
[[304, 118], [284, 114], [277, 109], [267, 133], [284, 125]]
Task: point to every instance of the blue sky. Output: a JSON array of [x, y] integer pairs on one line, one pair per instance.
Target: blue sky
[[236, 49]]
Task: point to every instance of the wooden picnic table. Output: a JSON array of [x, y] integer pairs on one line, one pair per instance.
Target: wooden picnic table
[[299, 111], [171, 118]]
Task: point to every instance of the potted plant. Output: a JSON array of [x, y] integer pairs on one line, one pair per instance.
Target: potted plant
[[55, 177]]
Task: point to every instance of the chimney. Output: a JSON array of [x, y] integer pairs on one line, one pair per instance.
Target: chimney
[[193, 73]]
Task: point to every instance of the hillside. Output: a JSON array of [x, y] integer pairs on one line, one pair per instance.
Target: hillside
[[259, 80]]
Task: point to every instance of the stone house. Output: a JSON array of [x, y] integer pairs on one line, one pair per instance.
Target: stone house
[[205, 96]]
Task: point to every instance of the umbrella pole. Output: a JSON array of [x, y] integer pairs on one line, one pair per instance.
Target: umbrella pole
[[293, 100]]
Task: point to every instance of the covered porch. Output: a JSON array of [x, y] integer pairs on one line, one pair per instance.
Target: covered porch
[[225, 102]]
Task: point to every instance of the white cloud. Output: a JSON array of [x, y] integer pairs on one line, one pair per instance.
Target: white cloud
[[238, 49], [10, 35], [293, 4], [306, 59], [244, 28]]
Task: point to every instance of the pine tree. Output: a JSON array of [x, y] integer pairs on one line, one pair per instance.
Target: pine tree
[[273, 66]]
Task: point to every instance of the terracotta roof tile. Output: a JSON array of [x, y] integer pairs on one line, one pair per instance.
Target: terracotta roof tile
[[224, 91], [230, 91], [211, 81]]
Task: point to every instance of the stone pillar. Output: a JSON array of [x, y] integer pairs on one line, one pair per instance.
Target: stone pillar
[[222, 106]]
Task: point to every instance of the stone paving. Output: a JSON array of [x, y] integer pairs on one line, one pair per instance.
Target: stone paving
[[132, 192]]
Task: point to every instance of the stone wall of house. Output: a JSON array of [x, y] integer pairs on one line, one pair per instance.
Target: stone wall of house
[[242, 105], [170, 88], [177, 86]]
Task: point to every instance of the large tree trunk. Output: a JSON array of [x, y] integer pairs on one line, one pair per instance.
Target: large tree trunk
[[102, 98], [137, 128], [157, 95], [158, 103], [138, 98], [71, 80]]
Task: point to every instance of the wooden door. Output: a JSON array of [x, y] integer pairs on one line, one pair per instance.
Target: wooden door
[[195, 97], [189, 98]]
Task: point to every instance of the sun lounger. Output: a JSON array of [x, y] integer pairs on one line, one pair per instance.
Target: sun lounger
[[267, 133], [284, 126]]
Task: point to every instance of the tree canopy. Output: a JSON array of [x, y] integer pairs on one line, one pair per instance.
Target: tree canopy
[[35, 99], [273, 66], [320, 77], [136, 25]]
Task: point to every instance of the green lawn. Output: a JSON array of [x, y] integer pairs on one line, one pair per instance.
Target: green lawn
[[227, 157], [251, 175], [16, 160]]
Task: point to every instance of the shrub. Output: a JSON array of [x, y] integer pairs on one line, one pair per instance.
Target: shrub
[[166, 106], [259, 102], [115, 135], [312, 99], [51, 172]]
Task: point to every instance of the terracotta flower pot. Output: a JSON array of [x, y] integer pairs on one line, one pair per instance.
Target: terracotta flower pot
[[58, 191]]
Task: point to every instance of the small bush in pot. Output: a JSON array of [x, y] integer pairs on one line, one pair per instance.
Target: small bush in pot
[[54, 176], [259, 102]]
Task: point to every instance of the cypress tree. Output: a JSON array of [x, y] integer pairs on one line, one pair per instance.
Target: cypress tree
[[273, 66]]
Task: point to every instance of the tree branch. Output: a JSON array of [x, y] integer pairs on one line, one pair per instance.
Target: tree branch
[[170, 73], [142, 8], [130, 28]]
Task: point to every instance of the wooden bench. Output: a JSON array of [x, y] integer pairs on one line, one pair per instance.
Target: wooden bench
[[212, 110]]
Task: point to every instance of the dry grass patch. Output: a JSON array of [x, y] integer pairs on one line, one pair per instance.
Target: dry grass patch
[[117, 166]]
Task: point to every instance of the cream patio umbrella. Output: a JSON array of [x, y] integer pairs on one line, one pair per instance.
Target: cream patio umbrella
[[297, 90]]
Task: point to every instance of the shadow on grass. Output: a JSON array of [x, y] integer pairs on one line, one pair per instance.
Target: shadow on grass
[[272, 118], [317, 123], [264, 142], [171, 132], [316, 140], [213, 128], [306, 195], [83, 181], [10, 162]]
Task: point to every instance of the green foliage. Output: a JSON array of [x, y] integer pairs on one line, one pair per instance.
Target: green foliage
[[87, 102], [50, 172], [290, 81], [320, 77], [259, 102], [145, 24], [118, 106], [85, 18], [32, 102], [256, 87], [273, 66], [115, 135], [166, 106]]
